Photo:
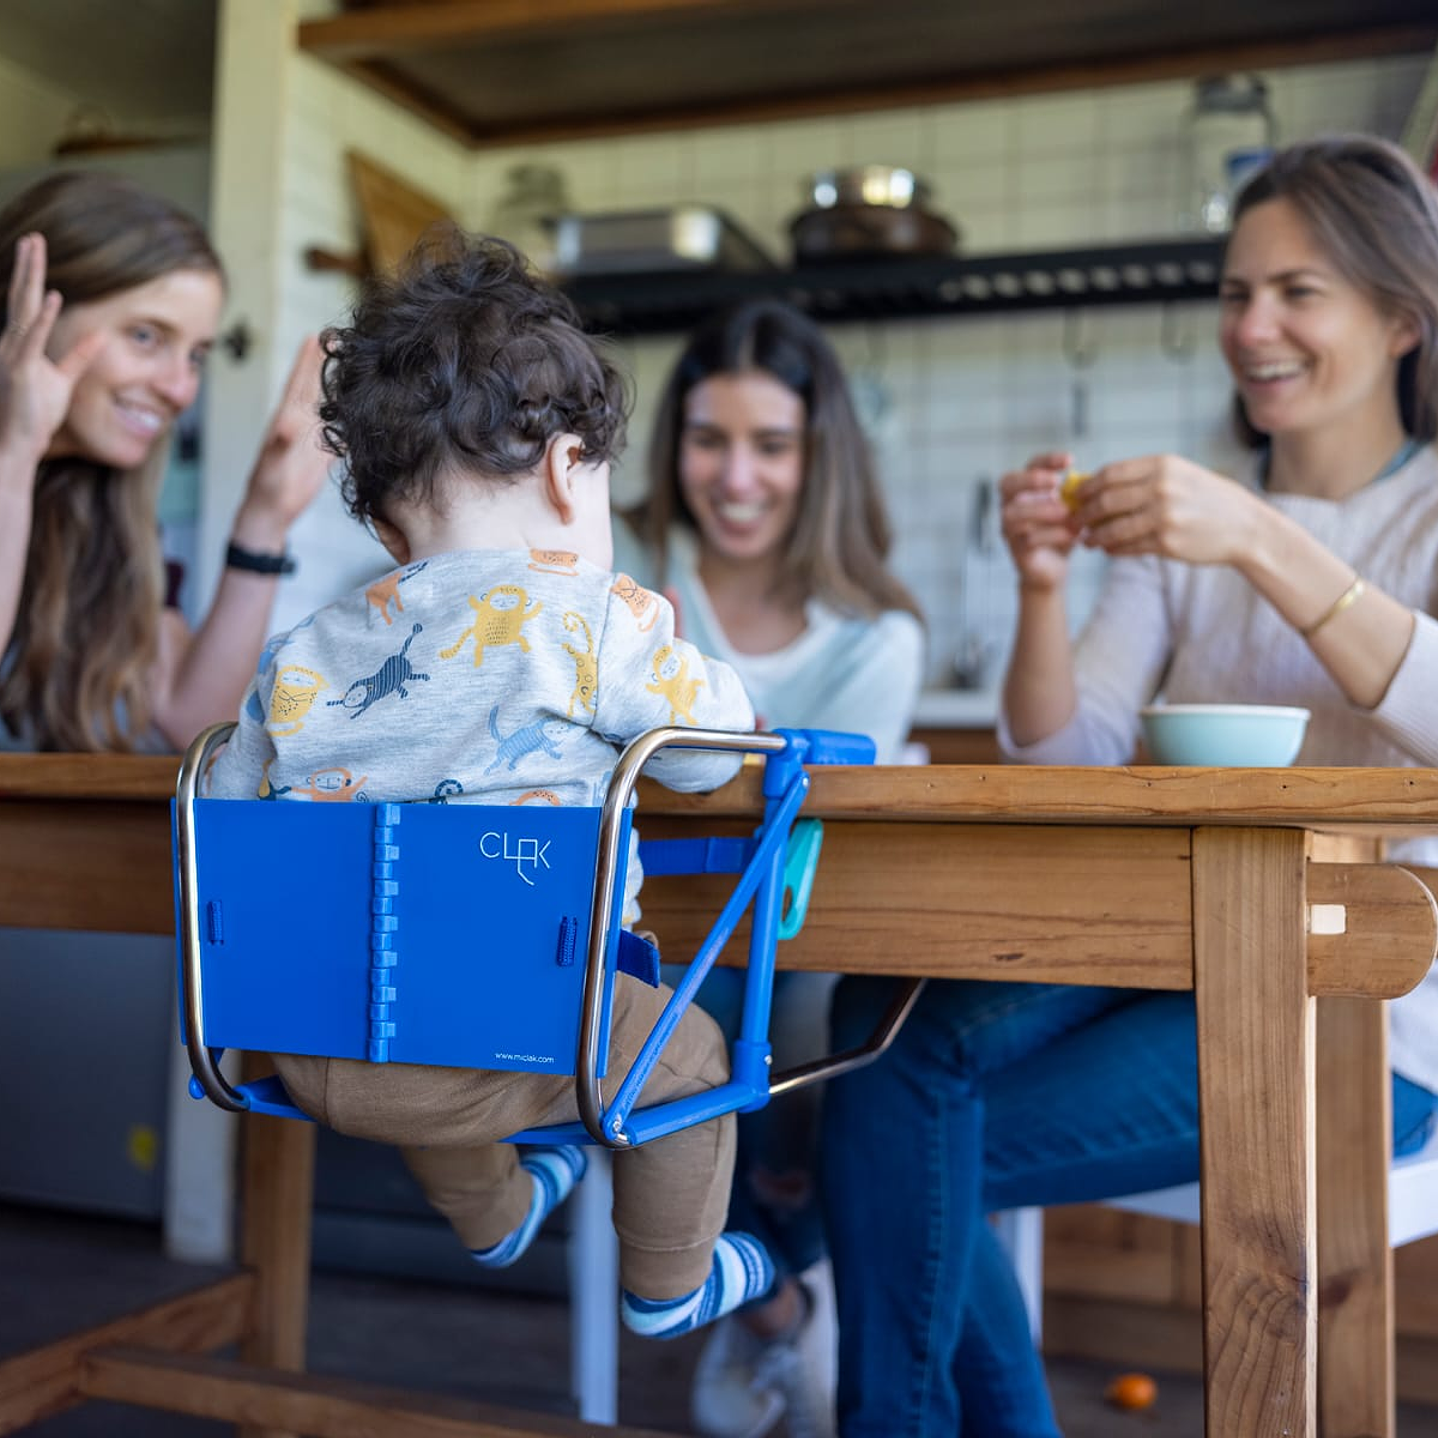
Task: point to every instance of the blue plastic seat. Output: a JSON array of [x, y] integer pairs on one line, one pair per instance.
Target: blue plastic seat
[[478, 936]]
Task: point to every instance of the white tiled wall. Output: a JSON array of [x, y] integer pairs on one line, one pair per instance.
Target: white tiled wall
[[330, 115], [951, 403]]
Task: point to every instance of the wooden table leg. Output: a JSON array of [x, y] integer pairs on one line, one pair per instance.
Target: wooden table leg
[[1356, 1397], [1256, 1095], [276, 1196]]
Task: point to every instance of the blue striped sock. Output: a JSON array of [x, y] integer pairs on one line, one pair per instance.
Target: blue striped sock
[[554, 1172], [742, 1270]]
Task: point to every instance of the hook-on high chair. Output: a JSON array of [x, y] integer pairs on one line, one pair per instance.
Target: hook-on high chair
[[485, 937]]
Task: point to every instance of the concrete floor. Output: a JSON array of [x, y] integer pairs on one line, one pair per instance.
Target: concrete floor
[[59, 1272]]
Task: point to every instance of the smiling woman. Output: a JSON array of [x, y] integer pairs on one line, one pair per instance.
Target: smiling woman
[[113, 299], [156, 338], [1242, 591], [766, 524]]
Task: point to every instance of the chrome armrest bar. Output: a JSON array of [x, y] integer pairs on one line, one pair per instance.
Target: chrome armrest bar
[[885, 1031], [206, 1070]]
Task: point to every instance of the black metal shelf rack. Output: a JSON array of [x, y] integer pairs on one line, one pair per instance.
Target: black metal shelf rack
[[905, 287]]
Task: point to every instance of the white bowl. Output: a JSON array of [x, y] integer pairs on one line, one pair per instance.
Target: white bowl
[[1255, 736]]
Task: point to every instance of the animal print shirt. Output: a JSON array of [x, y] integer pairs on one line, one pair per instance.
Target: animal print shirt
[[495, 677]]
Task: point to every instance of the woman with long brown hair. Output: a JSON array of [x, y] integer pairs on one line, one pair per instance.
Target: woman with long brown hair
[[1310, 578], [766, 525], [113, 300]]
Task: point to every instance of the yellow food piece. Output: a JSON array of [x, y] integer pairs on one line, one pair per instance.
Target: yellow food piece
[[1131, 1391], [1069, 489]]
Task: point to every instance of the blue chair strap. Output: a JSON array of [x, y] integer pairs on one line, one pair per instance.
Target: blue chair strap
[[638, 958], [695, 856]]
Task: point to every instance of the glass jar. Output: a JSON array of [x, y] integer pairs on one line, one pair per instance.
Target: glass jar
[[1227, 133]]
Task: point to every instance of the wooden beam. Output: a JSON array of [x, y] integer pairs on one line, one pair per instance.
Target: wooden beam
[[373, 64], [383, 77], [1255, 1017], [943, 896], [307, 1403], [46, 1380], [1355, 1262], [87, 865], [1083, 794], [389, 30], [1389, 930], [969, 86], [91, 776]]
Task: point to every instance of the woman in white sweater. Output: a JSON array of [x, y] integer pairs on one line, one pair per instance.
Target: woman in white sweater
[[1313, 581], [765, 523]]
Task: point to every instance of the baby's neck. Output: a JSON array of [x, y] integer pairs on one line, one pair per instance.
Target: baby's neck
[[427, 540], [469, 516]]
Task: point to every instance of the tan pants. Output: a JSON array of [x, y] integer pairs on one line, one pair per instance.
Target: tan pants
[[671, 1196]]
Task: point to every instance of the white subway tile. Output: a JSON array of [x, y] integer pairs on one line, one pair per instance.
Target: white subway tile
[[732, 155], [1141, 114], [981, 131], [888, 137], [1064, 124], [800, 147]]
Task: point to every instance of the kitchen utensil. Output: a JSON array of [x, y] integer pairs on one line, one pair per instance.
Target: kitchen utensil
[[866, 185], [1257, 736], [868, 210], [682, 237], [844, 231]]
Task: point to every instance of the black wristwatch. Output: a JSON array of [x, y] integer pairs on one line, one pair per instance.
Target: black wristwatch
[[238, 557]]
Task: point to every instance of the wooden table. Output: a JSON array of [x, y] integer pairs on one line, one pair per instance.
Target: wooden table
[[1257, 889]]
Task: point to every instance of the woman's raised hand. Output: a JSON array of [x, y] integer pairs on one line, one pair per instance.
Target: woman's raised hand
[[1037, 525], [35, 390], [1165, 505], [292, 464]]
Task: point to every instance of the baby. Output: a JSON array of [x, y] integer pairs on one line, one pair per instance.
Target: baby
[[501, 662]]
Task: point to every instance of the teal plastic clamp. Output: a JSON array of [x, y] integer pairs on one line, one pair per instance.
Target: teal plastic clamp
[[800, 861]]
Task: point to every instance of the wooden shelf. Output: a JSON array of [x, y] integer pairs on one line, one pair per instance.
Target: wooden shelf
[[907, 287], [503, 72]]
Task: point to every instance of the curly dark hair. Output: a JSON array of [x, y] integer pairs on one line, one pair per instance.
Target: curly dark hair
[[463, 359]]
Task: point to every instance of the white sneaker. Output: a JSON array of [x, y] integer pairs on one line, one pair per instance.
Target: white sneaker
[[728, 1398], [804, 1369]]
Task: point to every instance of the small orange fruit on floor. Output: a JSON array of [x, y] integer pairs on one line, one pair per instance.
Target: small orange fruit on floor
[[1133, 1391]]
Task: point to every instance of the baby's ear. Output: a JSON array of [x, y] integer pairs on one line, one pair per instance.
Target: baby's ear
[[563, 458]]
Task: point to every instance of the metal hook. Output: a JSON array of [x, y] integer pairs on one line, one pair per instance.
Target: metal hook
[[1079, 350], [1174, 339]]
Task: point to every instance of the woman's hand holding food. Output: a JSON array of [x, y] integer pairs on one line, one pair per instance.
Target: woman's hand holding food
[[1038, 525], [1161, 504]]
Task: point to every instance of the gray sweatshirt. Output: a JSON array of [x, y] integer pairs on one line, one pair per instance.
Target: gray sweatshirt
[[494, 677]]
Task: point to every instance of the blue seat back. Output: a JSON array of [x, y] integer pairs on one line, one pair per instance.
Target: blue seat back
[[432, 934]]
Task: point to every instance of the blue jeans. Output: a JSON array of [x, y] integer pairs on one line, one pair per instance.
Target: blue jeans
[[993, 1096]]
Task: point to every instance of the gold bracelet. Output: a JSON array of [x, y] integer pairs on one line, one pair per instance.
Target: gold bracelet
[[1354, 591]]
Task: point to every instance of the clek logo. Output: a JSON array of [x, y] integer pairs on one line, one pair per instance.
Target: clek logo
[[526, 854]]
